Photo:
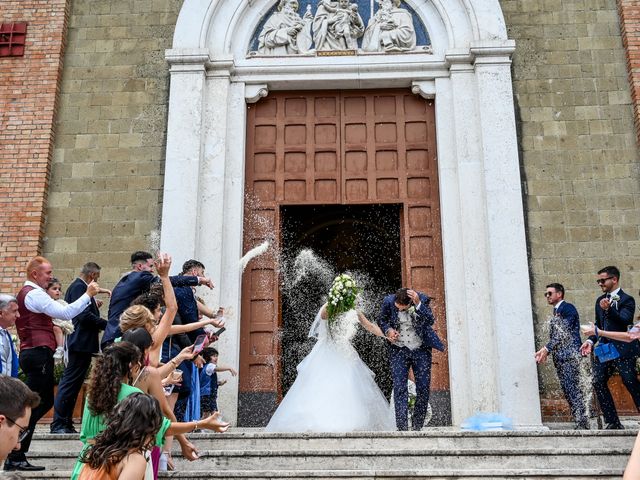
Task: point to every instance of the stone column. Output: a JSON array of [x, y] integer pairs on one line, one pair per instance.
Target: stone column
[[514, 368], [184, 154], [470, 302], [231, 243]]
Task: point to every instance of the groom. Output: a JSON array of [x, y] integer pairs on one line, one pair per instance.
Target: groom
[[406, 320]]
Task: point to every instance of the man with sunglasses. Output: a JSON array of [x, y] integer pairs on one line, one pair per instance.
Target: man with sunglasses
[[16, 403], [564, 346], [614, 312]]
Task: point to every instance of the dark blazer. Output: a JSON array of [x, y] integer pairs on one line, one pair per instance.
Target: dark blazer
[[87, 325], [188, 310], [422, 321], [564, 333], [126, 290], [617, 319]]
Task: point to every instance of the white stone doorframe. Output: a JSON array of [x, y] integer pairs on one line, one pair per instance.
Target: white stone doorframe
[[488, 304]]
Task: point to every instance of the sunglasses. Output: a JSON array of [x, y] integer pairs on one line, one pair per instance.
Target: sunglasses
[[23, 430], [601, 281], [548, 294]]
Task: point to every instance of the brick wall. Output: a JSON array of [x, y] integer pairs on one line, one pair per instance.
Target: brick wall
[[28, 92], [629, 11]]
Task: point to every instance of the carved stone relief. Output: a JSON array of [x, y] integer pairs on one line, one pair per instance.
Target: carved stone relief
[[336, 27]]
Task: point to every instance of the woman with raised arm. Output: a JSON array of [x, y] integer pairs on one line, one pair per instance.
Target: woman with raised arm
[[110, 382]]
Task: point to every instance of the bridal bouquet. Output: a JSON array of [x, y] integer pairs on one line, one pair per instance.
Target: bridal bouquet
[[342, 296]]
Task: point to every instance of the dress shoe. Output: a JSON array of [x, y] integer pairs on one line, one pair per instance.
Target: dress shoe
[[22, 466], [63, 430], [614, 426]]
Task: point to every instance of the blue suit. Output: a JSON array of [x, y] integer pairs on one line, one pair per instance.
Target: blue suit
[[402, 359], [126, 290], [564, 347], [617, 318], [14, 358]]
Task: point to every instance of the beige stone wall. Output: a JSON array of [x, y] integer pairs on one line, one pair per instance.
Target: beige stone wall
[[106, 184], [578, 148], [579, 156]]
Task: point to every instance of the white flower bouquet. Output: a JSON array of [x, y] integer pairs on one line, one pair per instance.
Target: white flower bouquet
[[342, 296]]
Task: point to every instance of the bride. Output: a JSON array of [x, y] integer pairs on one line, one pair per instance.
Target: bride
[[334, 390]]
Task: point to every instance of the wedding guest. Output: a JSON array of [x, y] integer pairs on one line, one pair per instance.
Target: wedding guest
[[209, 381], [134, 283], [614, 312], [37, 344], [149, 380], [8, 315], [82, 344], [407, 321], [632, 471], [54, 290], [109, 383], [119, 451], [16, 404], [564, 346], [188, 311]]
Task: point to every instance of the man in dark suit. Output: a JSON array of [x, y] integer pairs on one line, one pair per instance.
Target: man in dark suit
[[407, 320], [134, 283], [82, 345], [614, 312], [564, 346]]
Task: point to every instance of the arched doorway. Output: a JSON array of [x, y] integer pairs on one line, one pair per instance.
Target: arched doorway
[[467, 75]]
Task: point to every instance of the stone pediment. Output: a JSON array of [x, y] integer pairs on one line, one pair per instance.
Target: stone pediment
[[339, 27]]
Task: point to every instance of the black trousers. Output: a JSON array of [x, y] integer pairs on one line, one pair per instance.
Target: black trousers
[[69, 387], [626, 367], [37, 365]]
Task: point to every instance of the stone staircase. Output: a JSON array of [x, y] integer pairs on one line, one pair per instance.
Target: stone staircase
[[432, 454]]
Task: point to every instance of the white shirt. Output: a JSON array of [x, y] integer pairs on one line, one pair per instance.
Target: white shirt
[[5, 351], [408, 336], [39, 301]]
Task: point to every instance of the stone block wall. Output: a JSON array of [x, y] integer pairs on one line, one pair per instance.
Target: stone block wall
[[579, 157], [575, 111], [107, 175], [629, 11], [28, 101]]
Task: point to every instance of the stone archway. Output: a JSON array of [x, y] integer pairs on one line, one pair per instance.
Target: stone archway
[[468, 76]]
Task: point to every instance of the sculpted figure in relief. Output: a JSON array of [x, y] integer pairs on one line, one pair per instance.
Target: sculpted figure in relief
[[337, 25], [390, 29], [286, 33]]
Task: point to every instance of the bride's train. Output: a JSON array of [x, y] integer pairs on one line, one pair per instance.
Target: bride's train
[[334, 390]]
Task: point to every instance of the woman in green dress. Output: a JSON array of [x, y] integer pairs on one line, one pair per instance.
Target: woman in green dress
[[109, 383]]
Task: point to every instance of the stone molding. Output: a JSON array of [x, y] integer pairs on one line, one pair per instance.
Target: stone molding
[[468, 75]]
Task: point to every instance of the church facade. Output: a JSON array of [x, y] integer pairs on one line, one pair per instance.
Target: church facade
[[501, 136]]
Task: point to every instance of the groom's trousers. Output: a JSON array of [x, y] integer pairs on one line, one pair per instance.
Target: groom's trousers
[[402, 359]]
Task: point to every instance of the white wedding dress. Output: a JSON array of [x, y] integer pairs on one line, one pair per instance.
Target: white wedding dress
[[334, 390]]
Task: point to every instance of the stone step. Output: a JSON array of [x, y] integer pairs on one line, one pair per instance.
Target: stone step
[[451, 454], [388, 459], [368, 474], [427, 440]]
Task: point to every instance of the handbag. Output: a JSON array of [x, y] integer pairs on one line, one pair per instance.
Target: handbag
[[606, 352]]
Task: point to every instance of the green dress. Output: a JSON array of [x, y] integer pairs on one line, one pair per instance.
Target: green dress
[[92, 425]]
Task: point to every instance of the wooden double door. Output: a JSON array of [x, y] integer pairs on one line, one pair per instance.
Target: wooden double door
[[354, 147]]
